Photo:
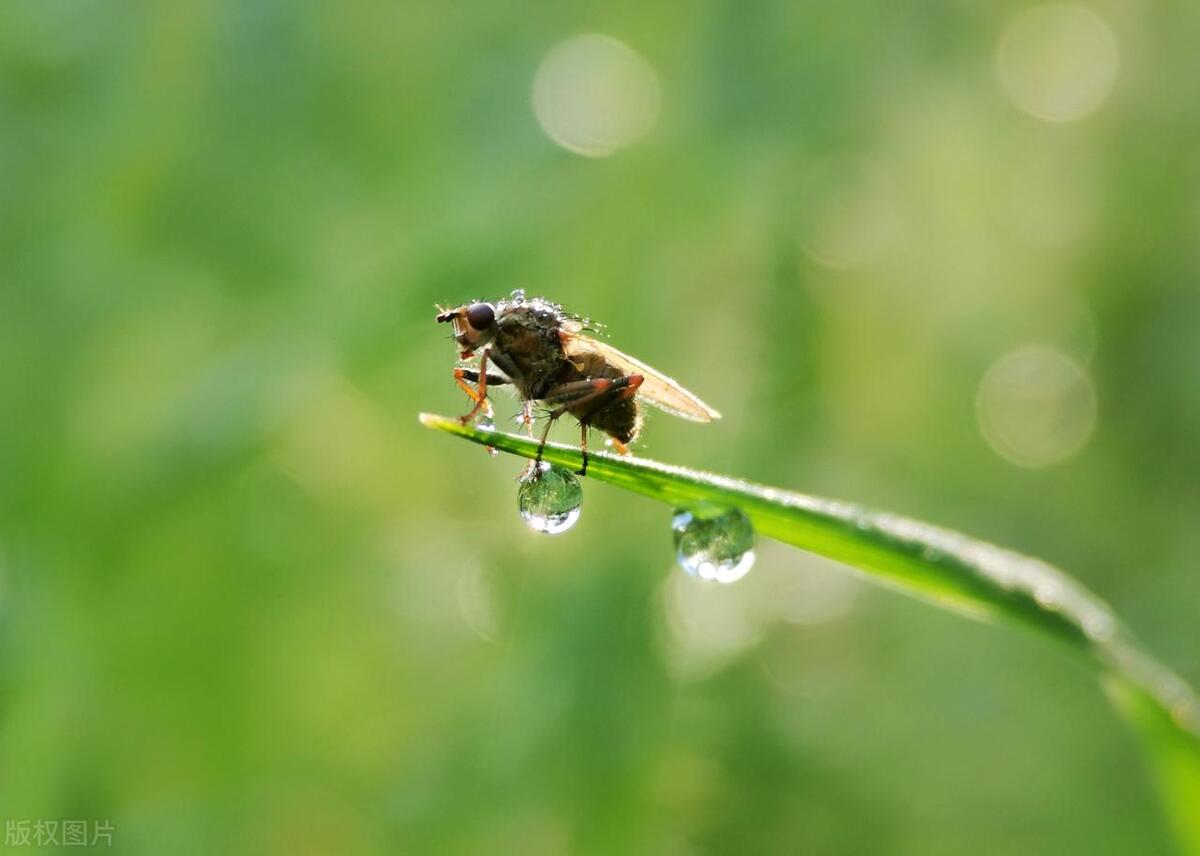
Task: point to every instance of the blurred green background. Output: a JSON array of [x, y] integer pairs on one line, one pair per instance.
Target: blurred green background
[[938, 257]]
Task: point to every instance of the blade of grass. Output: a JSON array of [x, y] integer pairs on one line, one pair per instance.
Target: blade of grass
[[947, 568]]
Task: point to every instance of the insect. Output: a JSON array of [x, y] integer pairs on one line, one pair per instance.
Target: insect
[[546, 356]]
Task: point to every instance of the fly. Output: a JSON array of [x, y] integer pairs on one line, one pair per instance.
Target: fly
[[545, 355]]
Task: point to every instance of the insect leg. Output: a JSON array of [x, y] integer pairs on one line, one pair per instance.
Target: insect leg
[[506, 364], [473, 376], [597, 391], [515, 377], [583, 438], [481, 394], [635, 381], [527, 418], [537, 460], [580, 391], [462, 376], [464, 386]]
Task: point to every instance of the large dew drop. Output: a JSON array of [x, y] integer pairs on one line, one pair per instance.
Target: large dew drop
[[717, 546], [549, 499]]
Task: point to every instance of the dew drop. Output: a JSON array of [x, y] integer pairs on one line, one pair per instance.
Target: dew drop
[[549, 499], [1099, 626], [714, 546], [1047, 595], [487, 423], [518, 295]]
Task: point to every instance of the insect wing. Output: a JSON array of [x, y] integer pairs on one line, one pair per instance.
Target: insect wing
[[657, 389]]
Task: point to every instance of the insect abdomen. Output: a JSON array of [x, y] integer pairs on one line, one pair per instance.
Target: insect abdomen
[[621, 420], [620, 417]]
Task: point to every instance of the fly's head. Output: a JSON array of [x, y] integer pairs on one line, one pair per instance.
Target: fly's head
[[474, 326]]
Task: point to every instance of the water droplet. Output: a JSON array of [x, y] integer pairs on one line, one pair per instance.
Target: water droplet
[[518, 295], [1047, 594], [487, 423], [549, 499], [714, 546], [1099, 626]]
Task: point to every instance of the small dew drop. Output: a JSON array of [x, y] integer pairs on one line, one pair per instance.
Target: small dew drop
[[1099, 626], [518, 295], [1047, 595], [487, 423], [716, 547], [549, 499]]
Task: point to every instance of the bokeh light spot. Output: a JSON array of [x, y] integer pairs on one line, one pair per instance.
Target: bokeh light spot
[[593, 95], [1057, 61], [1036, 406], [707, 625]]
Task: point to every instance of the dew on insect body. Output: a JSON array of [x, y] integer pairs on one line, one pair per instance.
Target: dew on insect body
[[718, 546], [549, 499]]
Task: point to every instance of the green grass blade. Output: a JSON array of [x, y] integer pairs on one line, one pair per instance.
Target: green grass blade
[[938, 565], [1173, 749]]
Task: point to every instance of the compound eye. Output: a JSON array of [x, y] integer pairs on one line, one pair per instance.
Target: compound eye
[[481, 315]]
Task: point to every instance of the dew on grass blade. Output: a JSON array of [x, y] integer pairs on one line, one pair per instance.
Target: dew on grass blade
[[549, 499], [487, 423], [714, 546]]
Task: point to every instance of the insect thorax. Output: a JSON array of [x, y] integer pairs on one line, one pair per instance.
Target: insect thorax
[[528, 336]]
